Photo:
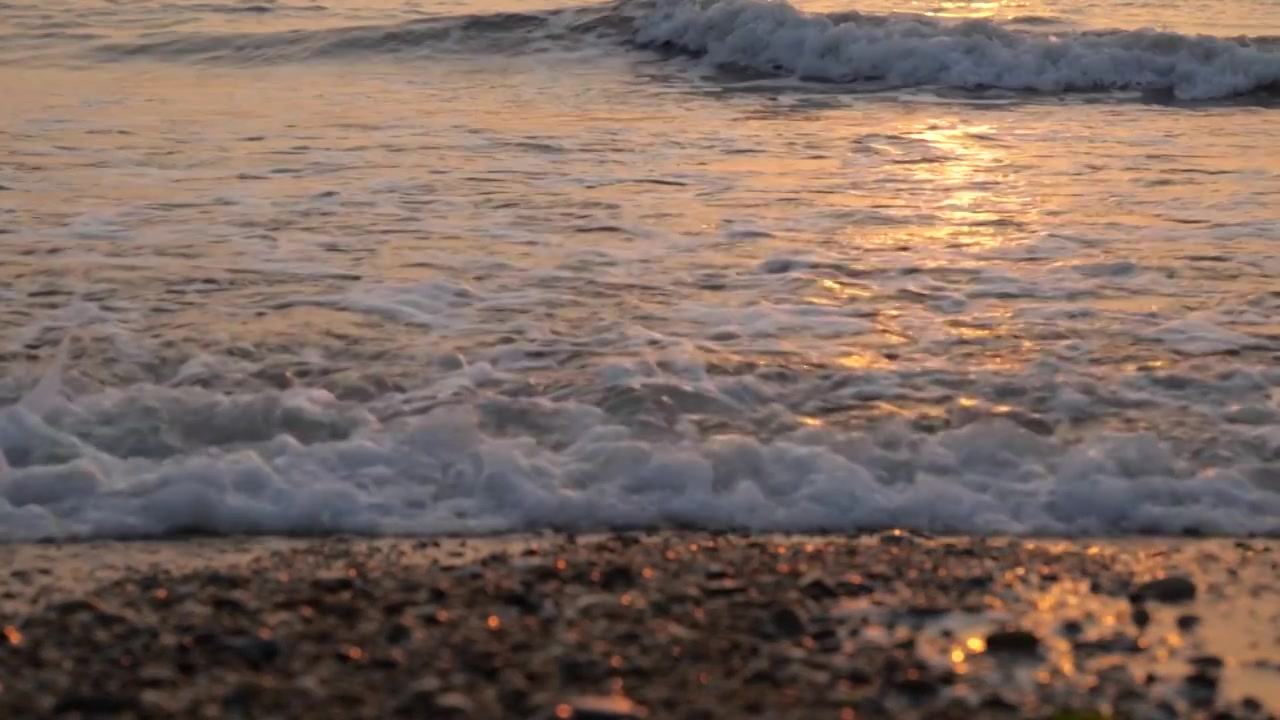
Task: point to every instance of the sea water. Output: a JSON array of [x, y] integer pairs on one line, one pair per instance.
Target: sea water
[[396, 266]]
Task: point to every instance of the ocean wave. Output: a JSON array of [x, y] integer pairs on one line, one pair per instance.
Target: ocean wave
[[773, 39], [778, 39], [497, 33], [152, 461]]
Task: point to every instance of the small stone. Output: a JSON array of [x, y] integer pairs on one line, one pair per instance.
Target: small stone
[[333, 584], [254, 650], [1187, 623], [604, 707], [522, 601], [787, 622], [916, 687], [453, 705], [96, 705], [853, 588], [723, 586], [398, 633], [74, 607], [1013, 642], [1201, 687], [1172, 589], [231, 605], [1140, 616], [419, 699], [617, 577], [716, 572], [1207, 662], [994, 703], [816, 587]]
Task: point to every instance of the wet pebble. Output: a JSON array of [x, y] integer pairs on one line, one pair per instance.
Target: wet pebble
[[1172, 589], [1013, 642], [602, 707]]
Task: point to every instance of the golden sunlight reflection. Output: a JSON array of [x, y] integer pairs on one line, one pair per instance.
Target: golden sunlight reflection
[[973, 9], [981, 202]]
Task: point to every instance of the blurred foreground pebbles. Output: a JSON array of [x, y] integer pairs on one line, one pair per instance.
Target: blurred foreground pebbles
[[663, 625]]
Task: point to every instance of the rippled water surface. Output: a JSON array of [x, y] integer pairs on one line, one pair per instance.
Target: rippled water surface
[[473, 266]]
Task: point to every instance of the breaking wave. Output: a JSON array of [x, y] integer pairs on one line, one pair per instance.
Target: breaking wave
[[153, 461], [775, 39], [880, 52]]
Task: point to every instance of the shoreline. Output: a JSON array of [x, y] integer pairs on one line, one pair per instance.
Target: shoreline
[[537, 625]]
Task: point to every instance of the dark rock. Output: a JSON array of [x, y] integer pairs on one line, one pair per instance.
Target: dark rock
[[73, 607], [1140, 616], [398, 633], [996, 704], [926, 612], [419, 699], [1187, 623], [241, 698], [253, 650], [231, 605], [1201, 687], [815, 586], [917, 687], [716, 571], [521, 600], [222, 581], [1172, 589], [617, 577], [96, 704], [827, 640], [1207, 662], [850, 588], [1118, 643], [787, 622], [1013, 642], [337, 584]]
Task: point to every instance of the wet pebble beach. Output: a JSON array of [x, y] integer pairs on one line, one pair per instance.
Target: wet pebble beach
[[662, 625]]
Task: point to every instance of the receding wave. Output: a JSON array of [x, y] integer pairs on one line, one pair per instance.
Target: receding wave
[[771, 38]]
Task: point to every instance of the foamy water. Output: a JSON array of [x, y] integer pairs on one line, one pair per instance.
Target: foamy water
[[398, 267]]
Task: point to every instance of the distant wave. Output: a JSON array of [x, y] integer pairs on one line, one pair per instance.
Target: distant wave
[[777, 38], [772, 38], [498, 33]]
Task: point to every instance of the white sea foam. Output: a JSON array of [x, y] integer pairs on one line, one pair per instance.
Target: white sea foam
[[156, 461], [882, 52]]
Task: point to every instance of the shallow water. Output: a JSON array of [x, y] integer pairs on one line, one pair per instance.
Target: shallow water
[[468, 267]]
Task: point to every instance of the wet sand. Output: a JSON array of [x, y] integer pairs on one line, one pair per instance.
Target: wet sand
[[662, 625]]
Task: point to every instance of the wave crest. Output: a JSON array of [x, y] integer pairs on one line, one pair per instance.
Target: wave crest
[[883, 52]]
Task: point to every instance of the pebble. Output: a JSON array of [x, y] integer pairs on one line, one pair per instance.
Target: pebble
[[1172, 589], [743, 627], [787, 622], [1140, 616], [604, 707], [1014, 641]]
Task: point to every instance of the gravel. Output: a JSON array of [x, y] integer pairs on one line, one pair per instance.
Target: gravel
[[661, 625]]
